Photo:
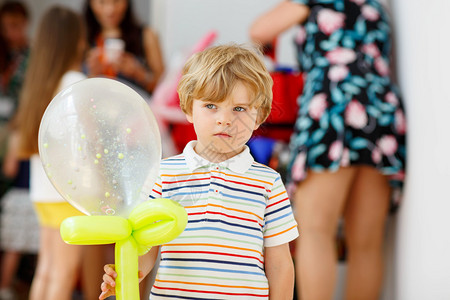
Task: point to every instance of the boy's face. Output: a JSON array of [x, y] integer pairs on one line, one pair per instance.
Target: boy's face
[[223, 128]]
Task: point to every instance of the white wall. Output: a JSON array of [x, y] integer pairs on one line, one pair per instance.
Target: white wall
[[422, 252], [181, 23]]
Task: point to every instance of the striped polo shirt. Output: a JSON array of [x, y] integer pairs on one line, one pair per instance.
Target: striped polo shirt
[[235, 208]]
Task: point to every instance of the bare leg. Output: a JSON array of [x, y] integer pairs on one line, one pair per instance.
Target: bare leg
[[94, 258], [41, 276], [10, 262], [365, 217], [319, 203], [64, 269]]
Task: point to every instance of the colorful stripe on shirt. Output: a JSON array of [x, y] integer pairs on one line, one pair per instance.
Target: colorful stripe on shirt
[[231, 218]]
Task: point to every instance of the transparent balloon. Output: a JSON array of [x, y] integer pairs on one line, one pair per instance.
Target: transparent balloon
[[100, 146]]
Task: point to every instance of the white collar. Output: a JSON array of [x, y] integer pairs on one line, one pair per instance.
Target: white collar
[[239, 163]]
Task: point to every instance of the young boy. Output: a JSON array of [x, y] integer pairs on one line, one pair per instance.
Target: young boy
[[235, 245]]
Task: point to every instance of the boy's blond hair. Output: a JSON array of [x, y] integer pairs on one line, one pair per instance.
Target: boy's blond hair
[[212, 74]]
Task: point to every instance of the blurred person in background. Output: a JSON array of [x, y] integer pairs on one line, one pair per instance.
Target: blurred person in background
[[55, 63], [18, 224], [14, 53], [348, 147], [120, 47]]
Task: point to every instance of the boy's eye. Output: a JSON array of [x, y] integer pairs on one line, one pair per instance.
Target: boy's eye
[[210, 106], [238, 108]]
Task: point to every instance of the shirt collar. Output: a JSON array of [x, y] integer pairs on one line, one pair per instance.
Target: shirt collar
[[239, 163]]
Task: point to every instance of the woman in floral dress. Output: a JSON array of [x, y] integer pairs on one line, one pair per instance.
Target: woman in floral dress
[[348, 148]]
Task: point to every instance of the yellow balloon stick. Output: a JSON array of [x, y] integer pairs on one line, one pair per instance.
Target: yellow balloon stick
[[127, 281], [94, 230], [151, 223]]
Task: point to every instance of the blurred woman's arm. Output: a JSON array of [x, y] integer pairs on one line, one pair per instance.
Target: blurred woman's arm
[[153, 56], [271, 24], [11, 160]]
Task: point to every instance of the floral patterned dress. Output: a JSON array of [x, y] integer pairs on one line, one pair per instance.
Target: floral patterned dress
[[350, 112]]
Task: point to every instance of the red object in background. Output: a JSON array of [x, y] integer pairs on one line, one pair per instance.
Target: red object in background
[[182, 134], [287, 86]]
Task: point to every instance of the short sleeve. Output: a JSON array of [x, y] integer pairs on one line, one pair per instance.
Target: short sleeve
[[280, 226]]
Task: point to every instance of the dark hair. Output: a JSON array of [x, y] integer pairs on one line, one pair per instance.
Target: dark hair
[[130, 27], [13, 8]]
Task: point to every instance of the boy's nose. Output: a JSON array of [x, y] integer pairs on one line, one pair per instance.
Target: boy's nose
[[224, 119], [223, 122]]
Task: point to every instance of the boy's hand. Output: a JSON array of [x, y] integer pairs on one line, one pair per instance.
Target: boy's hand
[[108, 285]]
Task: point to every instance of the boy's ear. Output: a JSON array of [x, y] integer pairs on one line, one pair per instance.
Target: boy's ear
[[189, 118], [258, 121]]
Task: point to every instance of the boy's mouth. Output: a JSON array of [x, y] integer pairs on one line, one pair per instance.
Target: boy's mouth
[[222, 135]]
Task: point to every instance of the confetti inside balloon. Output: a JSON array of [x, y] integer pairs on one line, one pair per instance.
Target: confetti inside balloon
[[114, 146]]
